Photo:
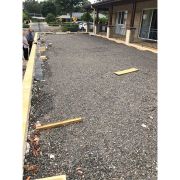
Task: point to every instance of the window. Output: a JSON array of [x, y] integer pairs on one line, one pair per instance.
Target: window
[[121, 19]]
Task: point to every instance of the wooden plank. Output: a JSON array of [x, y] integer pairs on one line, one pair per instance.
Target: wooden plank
[[42, 49], [57, 124], [43, 58], [62, 177], [126, 71]]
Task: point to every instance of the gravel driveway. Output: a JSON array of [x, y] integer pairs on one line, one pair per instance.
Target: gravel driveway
[[117, 139]]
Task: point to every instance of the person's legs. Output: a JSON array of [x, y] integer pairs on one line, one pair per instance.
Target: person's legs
[[25, 50], [30, 46]]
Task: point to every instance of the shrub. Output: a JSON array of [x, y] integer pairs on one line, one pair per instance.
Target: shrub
[[103, 20], [50, 18], [64, 29], [25, 16], [70, 27], [53, 24], [86, 17], [25, 25]]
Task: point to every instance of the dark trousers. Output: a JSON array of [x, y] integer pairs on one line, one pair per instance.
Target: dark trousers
[[25, 53], [30, 45]]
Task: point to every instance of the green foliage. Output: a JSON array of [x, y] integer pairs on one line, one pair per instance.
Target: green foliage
[[53, 24], [37, 20], [32, 6], [68, 6], [50, 18], [25, 25], [85, 2], [64, 28], [25, 16], [103, 20], [48, 7], [70, 27], [56, 7], [80, 7], [86, 17]]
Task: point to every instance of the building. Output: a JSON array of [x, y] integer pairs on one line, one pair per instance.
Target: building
[[130, 20], [76, 15], [67, 18]]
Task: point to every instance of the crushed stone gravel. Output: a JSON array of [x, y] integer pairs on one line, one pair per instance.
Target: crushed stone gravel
[[110, 144]]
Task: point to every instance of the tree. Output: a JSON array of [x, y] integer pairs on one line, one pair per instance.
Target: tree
[[25, 16], [86, 17], [50, 18], [85, 2], [80, 8], [68, 6], [48, 7], [32, 6]]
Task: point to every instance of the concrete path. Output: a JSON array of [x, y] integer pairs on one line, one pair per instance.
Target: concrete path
[[39, 27], [118, 137]]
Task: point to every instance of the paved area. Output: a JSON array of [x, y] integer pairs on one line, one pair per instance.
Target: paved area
[[39, 26], [118, 138], [44, 27]]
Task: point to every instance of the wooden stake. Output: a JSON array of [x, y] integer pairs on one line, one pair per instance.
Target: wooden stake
[[57, 124]]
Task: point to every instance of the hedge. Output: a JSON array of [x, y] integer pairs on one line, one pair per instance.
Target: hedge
[[25, 25], [53, 24], [70, 27]]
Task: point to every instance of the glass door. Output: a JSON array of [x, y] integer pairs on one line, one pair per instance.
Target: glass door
[[149, 25], [153, 28], [121, 23]]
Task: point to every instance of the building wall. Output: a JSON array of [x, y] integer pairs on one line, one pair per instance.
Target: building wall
[[139, 10]]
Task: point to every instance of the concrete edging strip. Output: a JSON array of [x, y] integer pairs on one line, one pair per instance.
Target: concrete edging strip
[[27, 91]]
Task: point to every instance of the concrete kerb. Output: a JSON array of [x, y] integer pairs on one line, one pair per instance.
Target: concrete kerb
[[127, 44], [27, 92], [63, 33]]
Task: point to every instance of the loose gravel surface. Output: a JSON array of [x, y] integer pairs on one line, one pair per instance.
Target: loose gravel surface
[[117, 139]]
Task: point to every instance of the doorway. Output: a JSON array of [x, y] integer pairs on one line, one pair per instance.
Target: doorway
[[121, 23], [149, 25]]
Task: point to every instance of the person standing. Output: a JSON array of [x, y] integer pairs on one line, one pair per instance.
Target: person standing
[[25, 46], [30, 39]]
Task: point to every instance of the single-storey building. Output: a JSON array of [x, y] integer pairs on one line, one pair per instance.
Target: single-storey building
[[75, 15], [67, 17], [132, 20]]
